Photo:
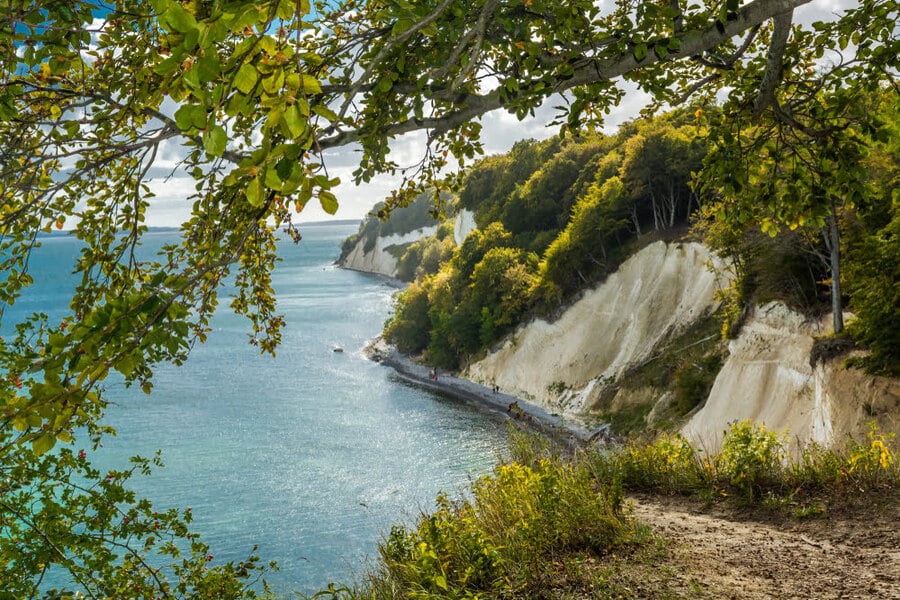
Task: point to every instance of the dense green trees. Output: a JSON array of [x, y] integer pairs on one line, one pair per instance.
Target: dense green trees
[[640, 181], [560, 228]]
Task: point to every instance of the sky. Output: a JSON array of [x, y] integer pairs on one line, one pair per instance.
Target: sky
[[500, 131]]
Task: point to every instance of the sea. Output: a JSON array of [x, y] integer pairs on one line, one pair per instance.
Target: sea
[[311, 455]]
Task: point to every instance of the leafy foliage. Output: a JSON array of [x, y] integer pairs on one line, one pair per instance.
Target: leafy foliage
[[580, 209], [253, 95], [62, 519], [504, 539], [524, 522]]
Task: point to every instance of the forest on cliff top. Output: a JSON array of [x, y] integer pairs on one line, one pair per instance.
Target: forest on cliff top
[[557, 216]]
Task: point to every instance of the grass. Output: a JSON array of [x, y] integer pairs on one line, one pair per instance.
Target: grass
[[556, 525]]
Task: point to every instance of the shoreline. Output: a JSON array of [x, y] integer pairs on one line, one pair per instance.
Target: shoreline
[[521, 412]]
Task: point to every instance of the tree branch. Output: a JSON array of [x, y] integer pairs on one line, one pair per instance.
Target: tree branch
[[590, 71], [774, 62]]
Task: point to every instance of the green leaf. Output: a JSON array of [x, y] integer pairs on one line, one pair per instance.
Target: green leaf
[[254, 192], [324, 111], [274, 82], [311, 85], [168, 66], [189, 116], [640, 52], [43, 443], [246, 78], [295, 122], [328, 201], [441, 582], [178, 19], [402, 25], [214, 140], [208, 68], [283, 168]]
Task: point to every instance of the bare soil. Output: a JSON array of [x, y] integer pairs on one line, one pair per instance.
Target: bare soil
[[720, 552]]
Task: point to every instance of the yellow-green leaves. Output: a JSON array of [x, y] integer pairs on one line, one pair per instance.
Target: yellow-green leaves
[[214, 140], [176, 18], [254, 192], [43, 443], [640, 51], [245, 79], [328, 201], [189, 117]]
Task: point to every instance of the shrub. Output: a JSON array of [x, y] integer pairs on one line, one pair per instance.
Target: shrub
[[751, 458], [505, 539], [668, 465], [872, 463]]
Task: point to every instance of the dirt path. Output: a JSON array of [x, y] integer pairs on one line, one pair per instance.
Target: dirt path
[[712, 554]]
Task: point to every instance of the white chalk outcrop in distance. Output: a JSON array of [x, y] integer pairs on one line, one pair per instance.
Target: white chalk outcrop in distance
[[379, 260]]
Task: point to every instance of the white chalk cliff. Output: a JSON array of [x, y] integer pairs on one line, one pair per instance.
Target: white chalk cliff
[[379, 260], [662, 289], [767, 377], [463, 225], [657, 292]]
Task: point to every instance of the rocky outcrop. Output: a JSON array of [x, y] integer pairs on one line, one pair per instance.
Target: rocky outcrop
[[565, 364], [568, 364], [768, 378], [379, 259], [463, 226]]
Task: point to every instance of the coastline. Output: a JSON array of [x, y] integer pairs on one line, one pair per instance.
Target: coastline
[[521, 412]]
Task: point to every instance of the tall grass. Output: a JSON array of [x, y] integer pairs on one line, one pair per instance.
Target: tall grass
[[548, 506]]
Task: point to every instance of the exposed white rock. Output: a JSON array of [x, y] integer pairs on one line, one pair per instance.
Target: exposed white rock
[[767, 378], [379, 260], [660, 290], [407, 238], [463, 226]]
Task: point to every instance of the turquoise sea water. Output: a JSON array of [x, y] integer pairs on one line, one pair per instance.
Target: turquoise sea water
[[311, 455]]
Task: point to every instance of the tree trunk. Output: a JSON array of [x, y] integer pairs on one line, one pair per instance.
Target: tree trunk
[[673, 202], [833, 243]]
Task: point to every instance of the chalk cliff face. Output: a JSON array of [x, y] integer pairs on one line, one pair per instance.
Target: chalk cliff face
[[563, 365], [463, 226], [379, 260], [767, 377]]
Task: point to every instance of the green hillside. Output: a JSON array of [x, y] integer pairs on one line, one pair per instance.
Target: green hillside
[[557, 216]]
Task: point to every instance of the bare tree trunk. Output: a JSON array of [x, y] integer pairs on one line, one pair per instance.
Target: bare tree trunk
[[673, 202], [656, 216], [833, 243]]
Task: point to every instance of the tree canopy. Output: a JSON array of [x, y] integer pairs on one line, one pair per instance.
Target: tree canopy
[[252, 95]]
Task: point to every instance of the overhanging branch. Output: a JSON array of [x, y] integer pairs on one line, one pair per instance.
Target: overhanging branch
[[591, 70]]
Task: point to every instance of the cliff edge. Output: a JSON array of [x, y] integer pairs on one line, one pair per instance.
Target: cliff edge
[[569, 365]]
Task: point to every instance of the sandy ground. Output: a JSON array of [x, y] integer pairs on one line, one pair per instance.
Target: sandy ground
[[714, 553]]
